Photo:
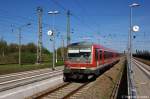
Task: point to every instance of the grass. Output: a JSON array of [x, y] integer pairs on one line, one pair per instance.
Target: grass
[[13, 68]]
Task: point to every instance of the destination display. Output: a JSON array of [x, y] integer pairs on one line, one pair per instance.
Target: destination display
[[77, 50]]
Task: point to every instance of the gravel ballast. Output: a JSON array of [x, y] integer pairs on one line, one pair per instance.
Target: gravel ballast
[[104, 84]]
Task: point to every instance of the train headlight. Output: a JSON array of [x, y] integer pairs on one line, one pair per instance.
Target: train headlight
[[83, 68]]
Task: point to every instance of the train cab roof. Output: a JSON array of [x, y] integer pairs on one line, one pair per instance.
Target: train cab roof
[[81, 44]]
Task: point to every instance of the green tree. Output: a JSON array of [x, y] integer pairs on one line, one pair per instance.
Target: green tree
[[12, 48], [142, 54], [3, 47], [31, 47]]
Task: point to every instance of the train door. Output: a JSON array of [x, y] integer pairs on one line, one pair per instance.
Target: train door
[[96, 57], [100, 56]]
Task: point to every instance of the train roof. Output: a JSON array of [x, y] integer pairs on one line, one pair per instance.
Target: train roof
[[84, 43]]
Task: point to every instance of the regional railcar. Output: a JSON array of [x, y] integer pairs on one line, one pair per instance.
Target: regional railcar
[[86, 59]]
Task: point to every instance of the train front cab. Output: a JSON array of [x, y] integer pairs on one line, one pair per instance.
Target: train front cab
[[99, 60], [79, 63]]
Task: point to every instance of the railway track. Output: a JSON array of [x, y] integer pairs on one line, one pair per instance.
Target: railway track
[[70, 90], [16, 80], [65, 91], [141, 79], [23, 73], [19, 75], [145, 68], [142, 64]]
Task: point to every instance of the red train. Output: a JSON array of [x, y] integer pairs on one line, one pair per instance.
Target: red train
[[86, 59]]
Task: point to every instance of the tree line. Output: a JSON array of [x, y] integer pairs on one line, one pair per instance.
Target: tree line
[[9, 53], [142, 54], [6, 49]]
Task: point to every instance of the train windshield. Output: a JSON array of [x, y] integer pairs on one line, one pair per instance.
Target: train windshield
[[81, 55]]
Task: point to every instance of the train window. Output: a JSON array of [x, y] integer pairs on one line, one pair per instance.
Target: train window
[[107, 54], [83, 55]]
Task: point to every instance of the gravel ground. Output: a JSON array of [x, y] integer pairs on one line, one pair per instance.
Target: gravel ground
[[103, 87]]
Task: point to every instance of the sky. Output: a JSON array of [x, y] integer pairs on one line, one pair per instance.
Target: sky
[[100, 21]]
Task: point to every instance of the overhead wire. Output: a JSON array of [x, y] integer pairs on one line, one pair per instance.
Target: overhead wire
[[72, 14]]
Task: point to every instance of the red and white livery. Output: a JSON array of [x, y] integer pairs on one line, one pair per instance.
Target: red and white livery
[[87, 59]]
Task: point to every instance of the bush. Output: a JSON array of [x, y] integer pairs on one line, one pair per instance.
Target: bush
[[9, 53], [27, 57], [9, 59], [59, 63]]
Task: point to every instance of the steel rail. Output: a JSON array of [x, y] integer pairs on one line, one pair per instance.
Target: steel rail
[[21, 73], [74, 91], [145, 71], [44, 93], [131, 85], [30, 77], [21, 83], [62, 86], [144, 65]]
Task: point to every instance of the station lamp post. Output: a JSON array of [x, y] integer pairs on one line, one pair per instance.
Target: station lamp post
[[52, 34], [131, 86], [130, 33]]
